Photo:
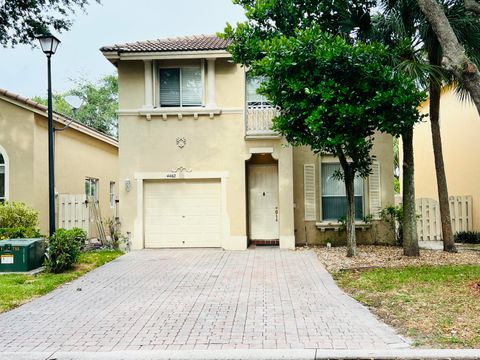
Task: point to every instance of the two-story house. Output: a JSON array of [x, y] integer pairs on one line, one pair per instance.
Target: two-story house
[[200, 165]]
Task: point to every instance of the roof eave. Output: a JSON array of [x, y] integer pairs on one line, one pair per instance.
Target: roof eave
[[114, 56]]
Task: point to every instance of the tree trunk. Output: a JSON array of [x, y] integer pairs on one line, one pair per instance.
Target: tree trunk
[[447, 234], [349, 178], [409, 221], [454, 57]]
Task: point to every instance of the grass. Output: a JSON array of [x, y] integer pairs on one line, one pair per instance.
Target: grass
[[17, 289], [435, 306]]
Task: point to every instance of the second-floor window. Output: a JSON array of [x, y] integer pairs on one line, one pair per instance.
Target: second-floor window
[[181, 87], [253, 97]]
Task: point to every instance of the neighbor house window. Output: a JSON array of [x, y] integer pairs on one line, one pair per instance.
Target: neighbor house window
[[181, 87], [334, 199], [91, 187], [113, 196], [253, 97], [3, 179]]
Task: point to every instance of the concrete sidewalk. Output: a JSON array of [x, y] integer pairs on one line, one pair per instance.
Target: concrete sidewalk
[[254, 354]]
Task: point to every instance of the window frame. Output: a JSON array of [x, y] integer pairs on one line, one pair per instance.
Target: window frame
[[264, 103], [112, 194], [329, 159], [97, 184], [6, 167], [200, 66]]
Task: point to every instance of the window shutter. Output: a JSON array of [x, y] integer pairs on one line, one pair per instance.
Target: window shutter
[[309, 191], [169, 87], [191, 87], [375, 194]]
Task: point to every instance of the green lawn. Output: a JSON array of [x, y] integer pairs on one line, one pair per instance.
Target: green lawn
[[435, 306], [17, 289]]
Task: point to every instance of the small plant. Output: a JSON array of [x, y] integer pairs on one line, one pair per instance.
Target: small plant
[[114, 230], [63, 249], [468, 237], [392, 215], [16, 214]]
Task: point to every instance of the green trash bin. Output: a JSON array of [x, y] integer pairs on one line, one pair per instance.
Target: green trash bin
[[17, 255]]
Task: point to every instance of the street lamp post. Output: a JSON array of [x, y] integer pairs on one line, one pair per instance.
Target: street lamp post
[[49, 44]]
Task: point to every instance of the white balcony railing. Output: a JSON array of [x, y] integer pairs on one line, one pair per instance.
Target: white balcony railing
[[259, 120]]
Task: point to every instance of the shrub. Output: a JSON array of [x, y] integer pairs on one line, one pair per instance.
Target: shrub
[[64, 248], [392, 215], [469, 237], [16, 214], [19, 233]]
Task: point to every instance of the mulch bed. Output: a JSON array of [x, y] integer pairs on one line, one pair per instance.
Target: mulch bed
[[369, 256]]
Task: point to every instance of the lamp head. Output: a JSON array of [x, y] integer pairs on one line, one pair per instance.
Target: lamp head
[[48, 43]]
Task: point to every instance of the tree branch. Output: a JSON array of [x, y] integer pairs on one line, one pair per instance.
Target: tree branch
[[473, 6], [454, 57]]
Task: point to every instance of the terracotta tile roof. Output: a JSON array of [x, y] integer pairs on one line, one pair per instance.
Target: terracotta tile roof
[[185, 43], [59, 117]]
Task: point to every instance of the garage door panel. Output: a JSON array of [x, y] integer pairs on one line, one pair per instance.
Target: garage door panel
[[182, 213]]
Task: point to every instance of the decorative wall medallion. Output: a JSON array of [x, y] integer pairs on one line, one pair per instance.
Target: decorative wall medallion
[[181, 142]]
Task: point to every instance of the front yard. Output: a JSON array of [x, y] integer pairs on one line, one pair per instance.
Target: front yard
[[17, 289], [434, 300]]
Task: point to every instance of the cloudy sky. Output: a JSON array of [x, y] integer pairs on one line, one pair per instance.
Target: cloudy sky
[[23, 69]]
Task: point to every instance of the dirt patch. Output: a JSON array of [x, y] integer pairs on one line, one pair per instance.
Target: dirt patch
[[370, 256], [475, 287]]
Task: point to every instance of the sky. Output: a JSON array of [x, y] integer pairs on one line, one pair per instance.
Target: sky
[[23, 70]]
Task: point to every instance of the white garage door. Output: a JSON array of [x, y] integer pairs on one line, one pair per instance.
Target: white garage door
[[182, 213]]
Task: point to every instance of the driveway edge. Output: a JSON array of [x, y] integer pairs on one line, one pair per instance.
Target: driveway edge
[[252, 354]]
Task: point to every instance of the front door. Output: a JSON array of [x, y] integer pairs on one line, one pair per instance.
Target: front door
[[263, 197]]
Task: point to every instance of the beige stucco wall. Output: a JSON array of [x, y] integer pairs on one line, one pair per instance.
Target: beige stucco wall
[[217, 145], [23, 135], [212, 145], [460, 126], [77, 156], [17, 139], [307, 232]]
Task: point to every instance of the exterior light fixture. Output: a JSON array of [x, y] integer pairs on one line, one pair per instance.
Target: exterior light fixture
[[49, 44]]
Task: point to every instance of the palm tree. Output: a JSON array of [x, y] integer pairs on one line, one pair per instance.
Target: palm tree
[[403, 23]]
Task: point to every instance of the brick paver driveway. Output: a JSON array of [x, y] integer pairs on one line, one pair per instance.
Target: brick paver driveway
[[197, 299]]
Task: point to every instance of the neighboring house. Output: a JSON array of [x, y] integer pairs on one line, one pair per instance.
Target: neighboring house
[[460, 128], [200, 165], [86, 161]]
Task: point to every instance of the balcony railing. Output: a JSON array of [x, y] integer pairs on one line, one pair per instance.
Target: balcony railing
[[259, 120]]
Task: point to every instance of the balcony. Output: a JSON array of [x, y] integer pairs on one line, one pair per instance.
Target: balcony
[[258, 121]]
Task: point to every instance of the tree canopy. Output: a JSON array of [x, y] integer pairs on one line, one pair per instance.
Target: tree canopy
[[333, 90], [22, 20], [99, 103]]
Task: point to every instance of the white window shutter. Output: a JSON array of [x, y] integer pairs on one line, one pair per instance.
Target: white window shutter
[[309, 191], [374, 191]]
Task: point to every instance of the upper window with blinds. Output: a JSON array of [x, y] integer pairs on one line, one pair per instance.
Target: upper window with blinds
[[181, 87]]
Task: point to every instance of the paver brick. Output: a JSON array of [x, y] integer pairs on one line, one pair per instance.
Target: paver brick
[[198, 299]]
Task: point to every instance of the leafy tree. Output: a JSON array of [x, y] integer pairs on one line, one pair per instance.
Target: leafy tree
[[22, 20], [403, 21], [100, 103], [455, 55], [333, 97]]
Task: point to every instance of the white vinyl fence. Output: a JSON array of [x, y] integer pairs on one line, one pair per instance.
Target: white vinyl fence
[[429, 225], [73, 212]]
